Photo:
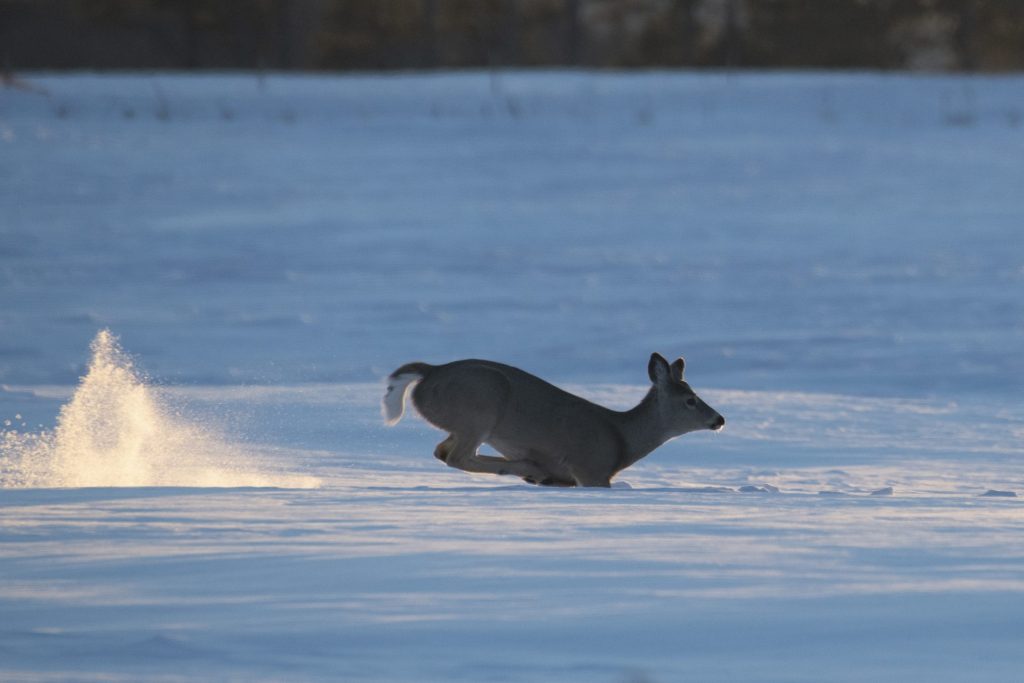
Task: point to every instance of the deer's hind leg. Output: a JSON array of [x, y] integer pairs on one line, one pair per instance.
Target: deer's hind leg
[[460, 452], [444, 449]]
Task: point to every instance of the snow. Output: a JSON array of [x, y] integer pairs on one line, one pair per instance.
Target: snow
[[836, 255]]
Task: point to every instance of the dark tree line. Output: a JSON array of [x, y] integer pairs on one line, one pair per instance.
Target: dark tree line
[[410, 34]]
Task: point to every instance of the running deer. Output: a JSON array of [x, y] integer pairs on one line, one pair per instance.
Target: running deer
[[545, 435]]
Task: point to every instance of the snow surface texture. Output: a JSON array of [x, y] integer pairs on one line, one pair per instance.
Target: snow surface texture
[[837, 256]]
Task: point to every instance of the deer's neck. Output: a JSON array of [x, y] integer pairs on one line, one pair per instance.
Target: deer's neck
[[642, 428]]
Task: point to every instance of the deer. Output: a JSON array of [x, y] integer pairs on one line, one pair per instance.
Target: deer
[[544, 435]]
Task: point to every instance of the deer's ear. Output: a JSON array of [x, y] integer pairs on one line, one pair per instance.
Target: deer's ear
[[677, 369], [657, 368]]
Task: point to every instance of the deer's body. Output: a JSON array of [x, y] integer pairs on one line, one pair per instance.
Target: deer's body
[[544, 434]]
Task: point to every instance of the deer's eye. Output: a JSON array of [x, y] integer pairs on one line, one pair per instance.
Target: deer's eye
[[691, 402]]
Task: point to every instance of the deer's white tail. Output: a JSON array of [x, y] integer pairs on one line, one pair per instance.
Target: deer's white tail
[[400, 383]]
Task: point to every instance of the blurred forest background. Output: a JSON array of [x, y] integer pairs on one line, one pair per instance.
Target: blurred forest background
[[937, 35]]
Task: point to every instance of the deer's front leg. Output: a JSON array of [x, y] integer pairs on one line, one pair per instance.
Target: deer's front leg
[[550, 480], [592, 480]]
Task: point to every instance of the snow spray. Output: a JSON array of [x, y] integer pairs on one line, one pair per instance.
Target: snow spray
[[117, 430]]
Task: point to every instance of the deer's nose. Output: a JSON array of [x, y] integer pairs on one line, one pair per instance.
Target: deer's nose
[[718, 423]]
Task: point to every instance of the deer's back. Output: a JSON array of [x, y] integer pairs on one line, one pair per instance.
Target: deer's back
[[508, 404]]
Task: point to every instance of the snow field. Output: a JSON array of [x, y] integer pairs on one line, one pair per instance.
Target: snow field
[[836, 255]]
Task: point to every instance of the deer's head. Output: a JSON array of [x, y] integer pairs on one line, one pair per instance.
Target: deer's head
[[680, 409]]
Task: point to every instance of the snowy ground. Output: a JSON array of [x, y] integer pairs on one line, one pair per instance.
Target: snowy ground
[[837, 256]]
